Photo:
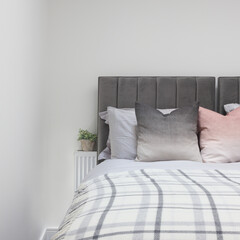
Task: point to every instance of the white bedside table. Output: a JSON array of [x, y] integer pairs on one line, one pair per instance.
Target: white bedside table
[[84, 162]]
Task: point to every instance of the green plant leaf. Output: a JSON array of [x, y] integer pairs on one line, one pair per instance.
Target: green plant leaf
[[86, 135]]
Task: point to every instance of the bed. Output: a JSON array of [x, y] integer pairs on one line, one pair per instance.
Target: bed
[[126, 199]]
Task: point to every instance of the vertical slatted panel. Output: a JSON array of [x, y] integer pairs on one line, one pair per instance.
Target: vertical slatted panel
[[84, 163], [84, 166], [228, 91], [186, 91], [82, 170], [205, 92], [77, 171], [166, 92], [147, 90], [127, 92]]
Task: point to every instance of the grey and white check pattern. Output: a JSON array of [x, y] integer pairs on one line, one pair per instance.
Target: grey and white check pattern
[[156, 204]]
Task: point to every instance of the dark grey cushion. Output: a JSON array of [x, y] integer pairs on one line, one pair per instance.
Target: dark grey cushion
[[167, 137]]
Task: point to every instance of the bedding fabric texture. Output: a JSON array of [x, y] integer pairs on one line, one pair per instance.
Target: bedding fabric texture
[[122, 132], [167, 137], [122, 165], [219, 136], [230, 107], [155, 204]]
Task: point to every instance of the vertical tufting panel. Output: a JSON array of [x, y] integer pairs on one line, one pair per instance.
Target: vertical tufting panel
[[127, 92], [107, 96], [205, 94], [166, 92], [159, 92], [107, 92], [186, 91], [228, 91], [147, 90]]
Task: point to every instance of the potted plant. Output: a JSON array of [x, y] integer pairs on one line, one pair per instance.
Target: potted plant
[[87, 139]]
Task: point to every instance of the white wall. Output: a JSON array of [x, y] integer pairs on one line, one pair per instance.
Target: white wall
[[22, 30], [91, 38]]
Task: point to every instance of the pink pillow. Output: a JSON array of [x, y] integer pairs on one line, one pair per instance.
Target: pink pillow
[[219, 136]]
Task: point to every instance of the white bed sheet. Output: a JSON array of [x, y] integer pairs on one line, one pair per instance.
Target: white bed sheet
[[121, 165]]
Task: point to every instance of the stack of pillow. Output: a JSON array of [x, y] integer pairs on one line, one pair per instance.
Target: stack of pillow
[[189, 133]]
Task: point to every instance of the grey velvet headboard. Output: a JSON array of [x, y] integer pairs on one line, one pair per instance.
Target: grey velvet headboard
[[159, 92], [228, 91]]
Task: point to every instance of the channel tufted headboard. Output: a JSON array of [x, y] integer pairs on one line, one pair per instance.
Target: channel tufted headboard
[[159, 92], [228, 91]]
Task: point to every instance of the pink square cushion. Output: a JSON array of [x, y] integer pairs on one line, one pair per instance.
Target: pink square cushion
[[219, 136]]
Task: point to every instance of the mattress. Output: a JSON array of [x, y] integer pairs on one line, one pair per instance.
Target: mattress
[[121, 165], [124, 199]]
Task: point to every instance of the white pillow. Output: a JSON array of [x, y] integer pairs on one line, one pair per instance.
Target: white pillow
[[230, 107], [122, 131], [105, 153]]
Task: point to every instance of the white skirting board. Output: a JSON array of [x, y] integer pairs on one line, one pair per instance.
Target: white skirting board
[[49, 232]]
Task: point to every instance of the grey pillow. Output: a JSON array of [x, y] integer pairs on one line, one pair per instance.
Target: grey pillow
[[122, 131], [167, 137], [230, 107]]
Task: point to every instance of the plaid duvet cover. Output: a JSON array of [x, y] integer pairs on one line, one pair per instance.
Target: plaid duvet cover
[[156, 204]]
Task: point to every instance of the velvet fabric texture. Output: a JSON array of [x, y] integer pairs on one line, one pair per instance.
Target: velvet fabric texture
[[122, 138], [159, 92], [219, 136], [167, 137]]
